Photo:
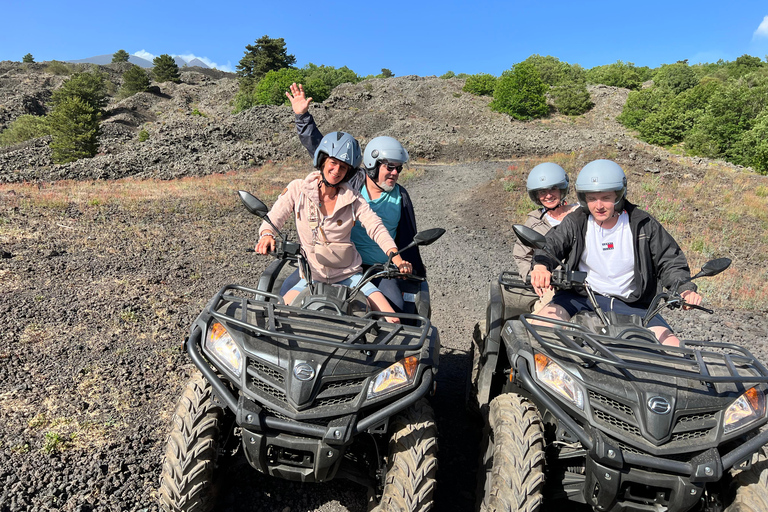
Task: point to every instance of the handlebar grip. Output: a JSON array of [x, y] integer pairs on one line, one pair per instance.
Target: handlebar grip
[[701, 308]]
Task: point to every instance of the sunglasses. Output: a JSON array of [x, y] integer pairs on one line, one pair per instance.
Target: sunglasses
[[394, 167]]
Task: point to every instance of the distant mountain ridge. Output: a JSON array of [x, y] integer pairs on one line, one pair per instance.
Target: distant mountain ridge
[[144, 63]]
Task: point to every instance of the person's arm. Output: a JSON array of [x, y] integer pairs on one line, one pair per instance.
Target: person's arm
[[378, 233], [309, 134], [281, 211], [671, 264]]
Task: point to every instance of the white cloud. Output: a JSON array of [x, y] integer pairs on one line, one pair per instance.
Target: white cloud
[[143, 54], [188, 57], [762, 30], [208, 62]]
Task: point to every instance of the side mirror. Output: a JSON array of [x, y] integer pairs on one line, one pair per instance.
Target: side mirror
[[529, 237], [428, 236], [253, 204], [713, 267]]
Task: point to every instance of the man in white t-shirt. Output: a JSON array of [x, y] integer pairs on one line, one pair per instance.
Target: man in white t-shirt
[[626, 253]]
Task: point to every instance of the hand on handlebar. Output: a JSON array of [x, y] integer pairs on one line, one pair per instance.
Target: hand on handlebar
[[540, 279], [690, 298], [265, 245]]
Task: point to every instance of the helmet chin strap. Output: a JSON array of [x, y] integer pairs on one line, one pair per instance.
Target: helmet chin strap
[[326, 182], [547, 210]]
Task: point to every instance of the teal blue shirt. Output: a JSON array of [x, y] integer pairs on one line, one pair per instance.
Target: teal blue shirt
[[388, 207]]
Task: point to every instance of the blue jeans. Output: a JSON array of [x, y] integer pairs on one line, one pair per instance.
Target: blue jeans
[[351, 281], [572, 303]]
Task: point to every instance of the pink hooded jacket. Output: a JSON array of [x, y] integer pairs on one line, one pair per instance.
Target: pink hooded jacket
[[300, 197]]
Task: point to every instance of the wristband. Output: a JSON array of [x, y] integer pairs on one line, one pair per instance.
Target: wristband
[[267, 233]]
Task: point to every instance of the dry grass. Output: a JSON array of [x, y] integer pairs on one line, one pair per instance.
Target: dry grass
[[714, 212]]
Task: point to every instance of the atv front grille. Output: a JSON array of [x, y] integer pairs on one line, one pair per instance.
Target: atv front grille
[[702, 416], [261, 388], [692, 434], [264, 370], [610, 402], [616, 423]]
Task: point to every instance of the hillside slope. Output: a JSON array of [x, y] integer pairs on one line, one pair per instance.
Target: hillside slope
[[193, 132]]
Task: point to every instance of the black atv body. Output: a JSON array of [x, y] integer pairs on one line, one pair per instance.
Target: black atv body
[[639, 427], [309, 392]]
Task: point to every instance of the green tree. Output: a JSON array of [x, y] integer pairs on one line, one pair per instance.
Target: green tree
[[91, 87], [753, 146], [619, 74], [166, 69], [23, 128], [480, 84], [640, 104], [135, 80], [330, 76], [386, 73], [676, 77], [28, 58], [571, 98], [266, 55], [120, 56], [271, 89], [75, 130], [731, 111], [520, 93], [448, 74], [551, 70]]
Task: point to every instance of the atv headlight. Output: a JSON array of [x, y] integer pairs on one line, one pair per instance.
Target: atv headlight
[[220, 345], [555, 378], [749, 407], [399, 375]]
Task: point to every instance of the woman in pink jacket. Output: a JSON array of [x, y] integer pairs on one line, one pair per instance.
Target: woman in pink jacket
[[325, 209]]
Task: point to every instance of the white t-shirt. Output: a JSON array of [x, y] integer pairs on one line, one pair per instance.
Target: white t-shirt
[[552, 221], [609, 258]]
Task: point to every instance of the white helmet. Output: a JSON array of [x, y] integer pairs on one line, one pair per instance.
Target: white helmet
[[602, 176], [383, 148], [545, 176]]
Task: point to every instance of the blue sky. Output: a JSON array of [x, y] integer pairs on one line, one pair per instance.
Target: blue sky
[[416, 37]]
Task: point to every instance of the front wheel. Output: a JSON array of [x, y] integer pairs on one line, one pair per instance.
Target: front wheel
[[750, 488], [511, 477], [412, 461], [186, 481]]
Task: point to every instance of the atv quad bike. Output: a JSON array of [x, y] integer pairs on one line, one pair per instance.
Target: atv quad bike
[[597, 412], [312, 391]]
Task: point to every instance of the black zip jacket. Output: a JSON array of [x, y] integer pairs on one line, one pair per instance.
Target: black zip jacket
[[310, 138], [659, 262]]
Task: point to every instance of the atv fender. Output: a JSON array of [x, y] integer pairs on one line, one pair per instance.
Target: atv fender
[[488, 347]]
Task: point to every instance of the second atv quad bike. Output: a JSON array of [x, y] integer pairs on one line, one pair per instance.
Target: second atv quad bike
[[597, 412], [309, 392]]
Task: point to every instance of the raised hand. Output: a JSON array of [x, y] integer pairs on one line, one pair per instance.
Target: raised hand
[[298, 99]]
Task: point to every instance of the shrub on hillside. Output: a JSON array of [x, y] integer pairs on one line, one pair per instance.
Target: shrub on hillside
[[330, 76], [23, 128], [753, 145], [520, 93], [75, 130], [448, 74], [619, 74], [640, 104], [571, 98], [676, 77], [135, 80], [731, 111], [166, 69], [271, 89], [551, 69], [57, 67], [28, 59], [480, 84]]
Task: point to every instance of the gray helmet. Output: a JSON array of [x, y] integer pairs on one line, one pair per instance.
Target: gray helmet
[[602, 176], [341, 146], [544, 176], [383, 148]]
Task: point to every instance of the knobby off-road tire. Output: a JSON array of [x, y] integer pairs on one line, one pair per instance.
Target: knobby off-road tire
[[187, 478], [512, 473], [412, 461], [750, 488]]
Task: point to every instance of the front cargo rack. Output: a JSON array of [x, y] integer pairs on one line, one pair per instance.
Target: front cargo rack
[[351, 329], [701, 357]]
